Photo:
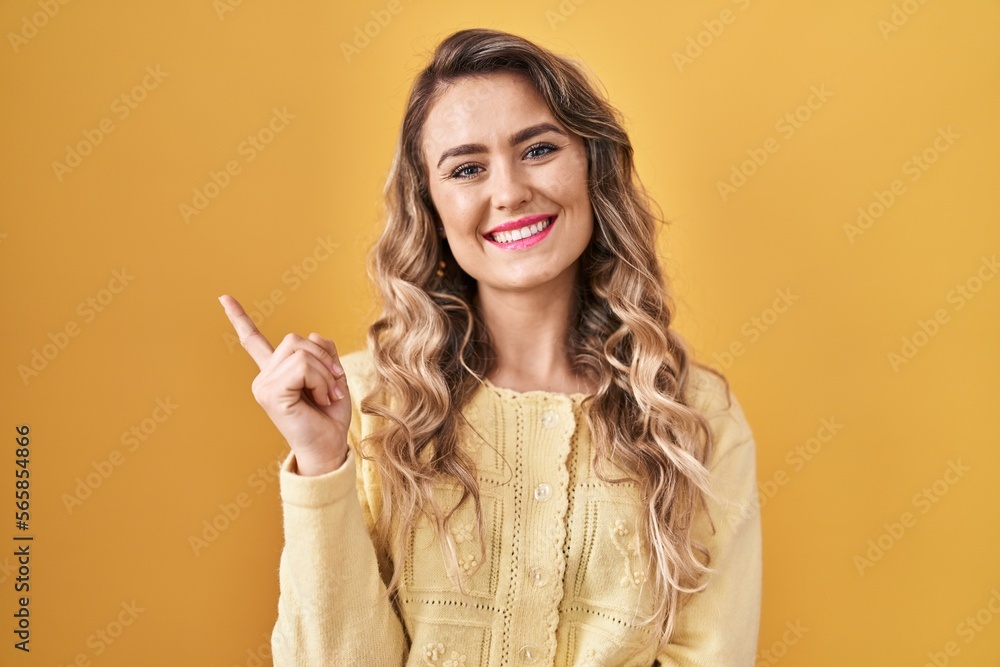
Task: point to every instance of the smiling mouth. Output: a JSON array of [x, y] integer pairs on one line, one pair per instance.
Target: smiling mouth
[[521, 233]]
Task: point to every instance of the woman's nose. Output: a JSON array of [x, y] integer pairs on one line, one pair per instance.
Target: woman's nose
[[510, 187]]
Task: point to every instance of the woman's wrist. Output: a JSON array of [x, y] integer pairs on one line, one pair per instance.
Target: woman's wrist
[[311, 467]]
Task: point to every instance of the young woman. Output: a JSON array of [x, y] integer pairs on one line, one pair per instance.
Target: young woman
[[525, 466]]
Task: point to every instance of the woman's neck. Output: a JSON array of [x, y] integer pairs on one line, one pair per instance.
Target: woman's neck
[[529, 331]]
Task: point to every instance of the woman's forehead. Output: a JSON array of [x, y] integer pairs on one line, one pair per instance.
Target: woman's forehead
[[484, 108]]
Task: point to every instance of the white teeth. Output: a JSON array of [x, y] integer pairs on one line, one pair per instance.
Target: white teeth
[[521, 233]]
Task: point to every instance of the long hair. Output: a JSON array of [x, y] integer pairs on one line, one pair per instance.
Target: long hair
[[431, 348]]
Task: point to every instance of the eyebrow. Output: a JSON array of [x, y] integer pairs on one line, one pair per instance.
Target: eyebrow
[[515, 139]]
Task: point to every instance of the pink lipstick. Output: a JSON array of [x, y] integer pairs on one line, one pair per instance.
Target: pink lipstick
[[522, 233]]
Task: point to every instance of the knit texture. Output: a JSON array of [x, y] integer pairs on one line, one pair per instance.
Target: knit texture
[[563, 579]]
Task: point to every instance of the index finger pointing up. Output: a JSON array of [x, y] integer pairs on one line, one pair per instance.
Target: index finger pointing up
[[252, 340]]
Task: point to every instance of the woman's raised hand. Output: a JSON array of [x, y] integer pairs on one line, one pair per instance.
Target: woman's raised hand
[[303, 390]]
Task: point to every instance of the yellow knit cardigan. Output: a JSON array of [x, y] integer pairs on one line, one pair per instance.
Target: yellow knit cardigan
[[562, 582]]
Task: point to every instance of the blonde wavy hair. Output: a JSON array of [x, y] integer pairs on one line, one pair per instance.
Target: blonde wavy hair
[[431, 348]]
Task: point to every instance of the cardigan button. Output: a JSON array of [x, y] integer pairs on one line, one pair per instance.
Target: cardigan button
[[538, 576], [543, 492], [528, 654], [550, 418]]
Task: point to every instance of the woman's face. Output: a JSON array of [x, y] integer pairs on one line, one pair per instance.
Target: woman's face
[[496, 155]]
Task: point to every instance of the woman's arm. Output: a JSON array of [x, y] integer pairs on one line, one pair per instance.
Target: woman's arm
[[331, 605], [332, 608], [719, 626]]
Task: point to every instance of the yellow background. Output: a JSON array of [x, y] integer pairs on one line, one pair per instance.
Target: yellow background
[[855, 297]]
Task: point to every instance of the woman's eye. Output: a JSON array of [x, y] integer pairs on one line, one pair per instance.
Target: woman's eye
[[540, 150], [464, 171]]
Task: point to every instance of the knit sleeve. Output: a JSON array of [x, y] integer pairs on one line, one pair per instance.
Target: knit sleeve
[[719, 626], [332, 608]]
